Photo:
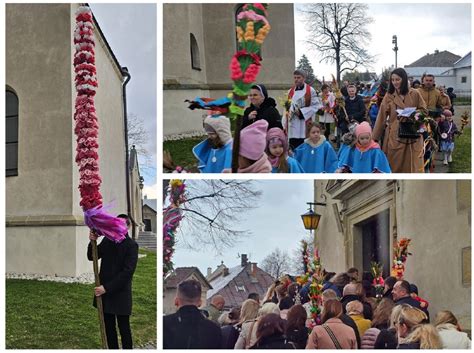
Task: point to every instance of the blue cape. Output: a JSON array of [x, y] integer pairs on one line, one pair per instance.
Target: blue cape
[[293, 166], [365, 162], [321, 159], [213, 160]]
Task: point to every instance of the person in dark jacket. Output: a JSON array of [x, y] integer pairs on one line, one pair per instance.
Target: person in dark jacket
[[270, 333], [355, 106], [355, 291], [389, 283], [296, 331], [401, 295], [261, 107], [188, 328], [229, 331], [119, 261], [452, 96]]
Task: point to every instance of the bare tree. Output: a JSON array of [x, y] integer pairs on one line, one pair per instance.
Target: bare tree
[[139, 136], [297, 258], [277, 263], [214, 210], [339, 33]]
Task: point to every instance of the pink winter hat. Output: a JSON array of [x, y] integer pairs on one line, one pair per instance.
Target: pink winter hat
[[276, 136], [253, 140], [447, 113], [363, 128]]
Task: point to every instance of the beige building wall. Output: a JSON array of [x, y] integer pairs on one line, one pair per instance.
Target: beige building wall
[[213, 26], [435, 214], [169, 294], [149, 214], [45, 233]]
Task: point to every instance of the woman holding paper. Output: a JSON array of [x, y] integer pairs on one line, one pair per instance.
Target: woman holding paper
[[405, 155]]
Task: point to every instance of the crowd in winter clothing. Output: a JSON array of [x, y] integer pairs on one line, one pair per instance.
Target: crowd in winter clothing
[[352, 316], [303, 140]]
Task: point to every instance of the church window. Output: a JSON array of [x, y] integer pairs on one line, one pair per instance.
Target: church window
[[11, 133], [195, 56], [463, 79]]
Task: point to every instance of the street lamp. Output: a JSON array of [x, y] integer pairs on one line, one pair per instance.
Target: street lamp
[[395, 48], [311, 218]]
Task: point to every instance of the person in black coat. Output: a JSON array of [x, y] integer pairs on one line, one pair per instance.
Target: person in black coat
[[401, 295], [355, 106], [188, 328], [271, 333], [261, 107], [119, 261]]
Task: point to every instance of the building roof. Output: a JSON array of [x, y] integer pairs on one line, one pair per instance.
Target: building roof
[[465, 61], [239, 283], [437, 59], [183, 273], [150, 203], [419, 71]]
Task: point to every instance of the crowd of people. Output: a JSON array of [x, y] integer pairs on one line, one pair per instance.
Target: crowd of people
[[395, 126], [353, 316]]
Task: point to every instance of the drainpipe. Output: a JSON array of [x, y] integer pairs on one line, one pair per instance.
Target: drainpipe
[[127, 76]]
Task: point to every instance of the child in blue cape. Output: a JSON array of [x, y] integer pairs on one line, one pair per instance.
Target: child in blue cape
[[215, 153], [277, 151], [316, 155], [366, 156]]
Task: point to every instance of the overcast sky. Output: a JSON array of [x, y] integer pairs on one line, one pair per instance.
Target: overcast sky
[[276, 223], [130, 30], [420, 29]]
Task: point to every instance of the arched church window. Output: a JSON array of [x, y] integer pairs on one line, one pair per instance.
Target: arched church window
[[195, 56], [11, 132]]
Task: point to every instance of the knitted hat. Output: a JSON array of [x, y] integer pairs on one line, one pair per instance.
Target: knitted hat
[[447, 113], [413, 288], [253, 140], [276, 136], [221, 126], [262, 89], [362, 128]]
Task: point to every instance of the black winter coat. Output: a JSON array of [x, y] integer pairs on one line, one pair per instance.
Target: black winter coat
[[368, 312], [119, 261], [273, 342], [298, 337], [414, 303], [387, 339], [355, 109], [230, 335], [189, 329], [267, 111]]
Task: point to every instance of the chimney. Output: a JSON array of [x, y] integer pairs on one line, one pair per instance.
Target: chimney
[[225, 272], [436, 51], [243, 261], [209, 271]]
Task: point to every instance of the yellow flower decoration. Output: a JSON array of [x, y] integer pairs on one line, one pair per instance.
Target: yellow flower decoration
[[240, 34], [249, 31], [176, 183]]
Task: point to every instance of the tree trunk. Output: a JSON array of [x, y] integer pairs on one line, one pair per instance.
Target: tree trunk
[[100, 309]]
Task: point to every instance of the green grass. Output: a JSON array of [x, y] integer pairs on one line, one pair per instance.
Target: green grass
[[181, 152], [462, 101], [462, 153], [52, 315]]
